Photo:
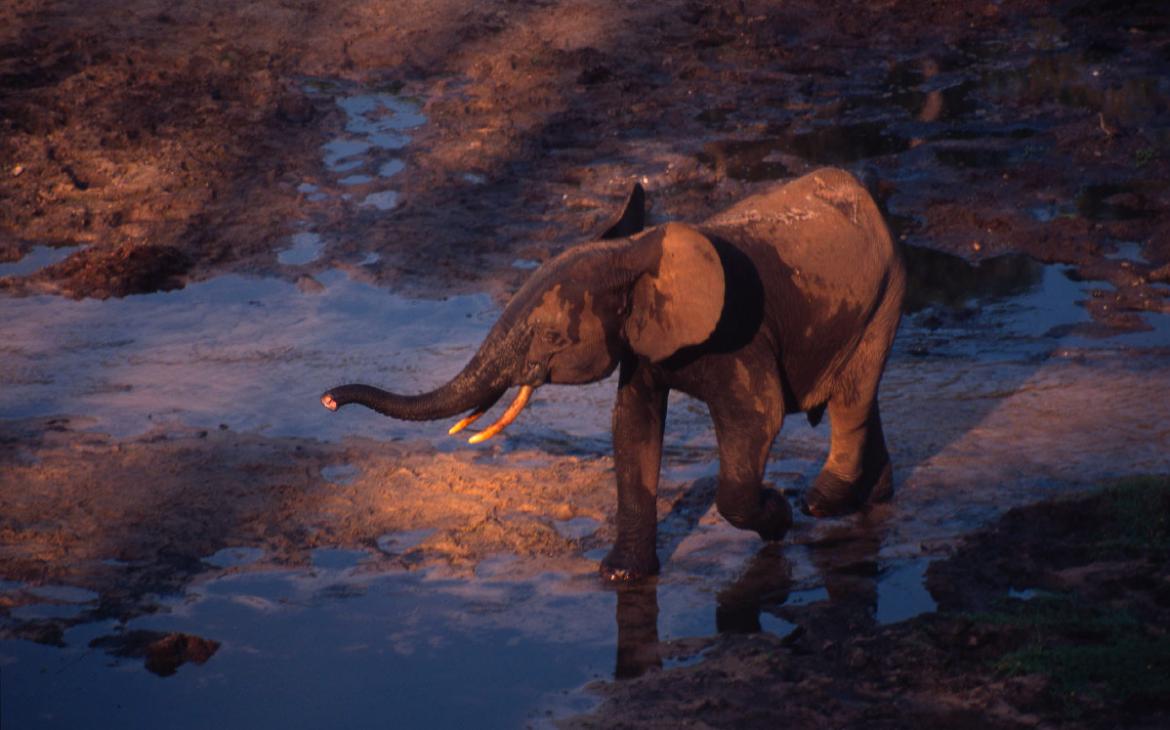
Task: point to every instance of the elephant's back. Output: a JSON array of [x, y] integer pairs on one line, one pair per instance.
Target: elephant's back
[[824, 228], [827, 263]]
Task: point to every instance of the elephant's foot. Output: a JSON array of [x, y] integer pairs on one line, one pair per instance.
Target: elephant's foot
[[623, 566], [775, 517], [832, 496], [763, 511]]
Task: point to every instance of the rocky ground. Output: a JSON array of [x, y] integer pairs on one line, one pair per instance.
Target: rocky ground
[[156, 145]]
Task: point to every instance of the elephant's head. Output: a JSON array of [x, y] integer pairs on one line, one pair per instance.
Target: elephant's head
[[634, 292]]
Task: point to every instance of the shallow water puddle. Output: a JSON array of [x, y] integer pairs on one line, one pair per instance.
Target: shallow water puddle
[[902, 594], [424, 649], [340, 473], [355, 180], [235, 557], [1128, 251], [756, 160], [37, 258], [1019, 303], [306, 248], [938, 114], [371, 647], [254, 354], [50, 601], [382, 200], [1002, 391]]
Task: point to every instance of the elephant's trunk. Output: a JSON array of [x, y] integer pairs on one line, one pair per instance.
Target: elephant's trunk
[[477, 386]]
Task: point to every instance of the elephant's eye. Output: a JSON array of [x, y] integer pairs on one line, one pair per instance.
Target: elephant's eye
[[551, 337]]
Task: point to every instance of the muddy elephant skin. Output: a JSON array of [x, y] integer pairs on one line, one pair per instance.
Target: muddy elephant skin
[[786, 302]]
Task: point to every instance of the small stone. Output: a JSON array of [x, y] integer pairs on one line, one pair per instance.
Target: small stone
[[296, 109], [309, 285], [857, 658], [17, 170]]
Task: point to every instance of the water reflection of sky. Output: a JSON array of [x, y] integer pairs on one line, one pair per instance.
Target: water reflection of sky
[[417, 647], [317, 649], [254, 354]]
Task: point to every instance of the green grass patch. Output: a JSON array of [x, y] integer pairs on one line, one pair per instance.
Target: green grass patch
[[1128, 667], [1135, 518], [1058, 613], [1086, 651], [1094, 651]]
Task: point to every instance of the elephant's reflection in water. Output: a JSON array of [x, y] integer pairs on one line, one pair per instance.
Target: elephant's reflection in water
[[845, 557], [764, 585], [637, 620]]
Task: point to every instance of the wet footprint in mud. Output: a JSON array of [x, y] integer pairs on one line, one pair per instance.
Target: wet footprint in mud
[[376, 124]]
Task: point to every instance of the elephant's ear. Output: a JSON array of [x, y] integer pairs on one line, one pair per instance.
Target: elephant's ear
[[632, 217], [679, 302]]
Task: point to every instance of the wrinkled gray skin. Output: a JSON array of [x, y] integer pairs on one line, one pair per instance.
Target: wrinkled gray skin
[[786, 302]]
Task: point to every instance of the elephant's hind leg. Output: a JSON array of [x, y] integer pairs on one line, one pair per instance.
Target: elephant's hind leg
[[858, 470]]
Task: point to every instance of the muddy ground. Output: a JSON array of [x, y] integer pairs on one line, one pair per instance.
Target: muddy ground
[[149, 146]]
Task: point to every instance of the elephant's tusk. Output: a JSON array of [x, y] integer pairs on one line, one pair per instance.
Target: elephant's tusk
[[467, 421], [507, 418]]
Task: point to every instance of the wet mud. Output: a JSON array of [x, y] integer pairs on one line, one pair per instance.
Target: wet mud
[[212, 214]]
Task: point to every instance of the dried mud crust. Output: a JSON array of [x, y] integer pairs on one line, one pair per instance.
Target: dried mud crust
[[186, 132], [1053, 617]]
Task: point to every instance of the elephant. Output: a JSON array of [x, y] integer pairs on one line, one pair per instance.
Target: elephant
[[785, 302]]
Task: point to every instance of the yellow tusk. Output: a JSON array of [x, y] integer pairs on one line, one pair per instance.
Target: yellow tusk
[[507, 418], [470, 419]]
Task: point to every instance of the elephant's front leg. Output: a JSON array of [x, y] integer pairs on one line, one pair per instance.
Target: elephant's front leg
[[638, 419], [746, 424]]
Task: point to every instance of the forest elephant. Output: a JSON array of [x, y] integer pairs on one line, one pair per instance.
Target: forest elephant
[[786, 302]]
